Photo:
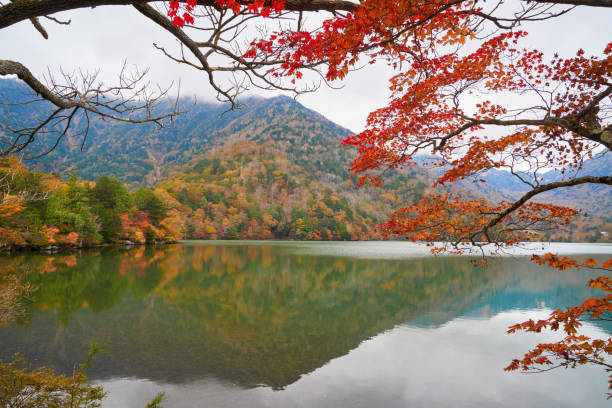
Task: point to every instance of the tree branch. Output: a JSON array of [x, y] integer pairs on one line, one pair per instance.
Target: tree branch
[[165, 23], [590, 3], [8, 67], [20, 10], [569, 123], [541, 189], [128, 101]]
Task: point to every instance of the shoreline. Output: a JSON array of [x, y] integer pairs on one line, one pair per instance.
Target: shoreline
[[56, 248]]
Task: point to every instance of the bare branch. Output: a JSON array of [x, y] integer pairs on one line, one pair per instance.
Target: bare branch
[[39, 27], [128, 101]]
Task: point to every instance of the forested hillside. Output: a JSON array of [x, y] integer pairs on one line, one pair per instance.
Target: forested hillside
[[270, 170], [143, 154], [250, 190]]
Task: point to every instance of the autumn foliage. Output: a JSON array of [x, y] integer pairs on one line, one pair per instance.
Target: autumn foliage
[[76, 213], [23, 388], [251, 191], [465, 89], [450, 218]]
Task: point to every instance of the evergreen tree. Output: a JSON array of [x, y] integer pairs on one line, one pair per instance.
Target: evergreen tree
[[146, 201], [110, 199]]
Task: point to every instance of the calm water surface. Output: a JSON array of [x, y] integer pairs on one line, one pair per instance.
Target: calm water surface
[[250, 324]]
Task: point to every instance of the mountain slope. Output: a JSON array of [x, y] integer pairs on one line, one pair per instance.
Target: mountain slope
[[233, 159], [142, 154]]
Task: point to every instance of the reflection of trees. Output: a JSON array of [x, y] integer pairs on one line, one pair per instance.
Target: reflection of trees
[[96, 281], [247, 314], [14, 296]]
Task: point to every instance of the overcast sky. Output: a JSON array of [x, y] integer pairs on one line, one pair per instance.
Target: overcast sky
[[104, 37]]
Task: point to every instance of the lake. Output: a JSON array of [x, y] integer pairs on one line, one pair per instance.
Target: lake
[[302, 324]]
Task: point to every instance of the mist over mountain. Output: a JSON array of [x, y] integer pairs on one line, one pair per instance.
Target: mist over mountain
[[143, 154]]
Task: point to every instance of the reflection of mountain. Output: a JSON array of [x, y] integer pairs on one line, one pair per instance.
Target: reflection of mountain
[[522, 286], [246, 314]]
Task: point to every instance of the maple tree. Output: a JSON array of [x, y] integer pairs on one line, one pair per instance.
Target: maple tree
[[467, 91], [574, 349]]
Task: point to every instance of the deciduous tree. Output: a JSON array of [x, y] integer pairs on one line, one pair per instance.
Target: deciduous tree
[[466, 90]]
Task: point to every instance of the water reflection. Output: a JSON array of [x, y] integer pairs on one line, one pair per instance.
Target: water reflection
[[454, 365], [226, 322]]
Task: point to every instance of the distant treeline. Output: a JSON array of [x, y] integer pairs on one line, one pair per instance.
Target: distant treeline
[[264, 202], [248, 191]]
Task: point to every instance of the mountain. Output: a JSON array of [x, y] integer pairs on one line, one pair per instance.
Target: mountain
[[596, 199], [143, 154], [271, 169]]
